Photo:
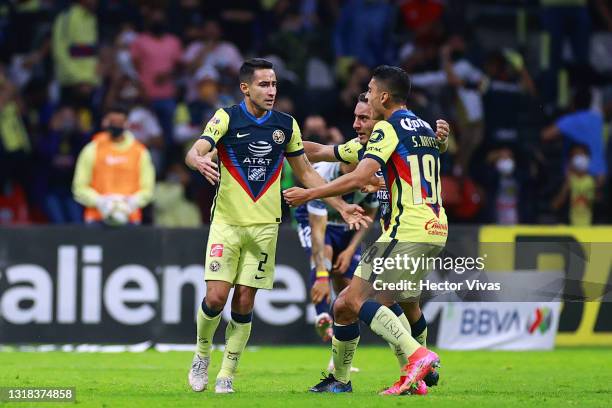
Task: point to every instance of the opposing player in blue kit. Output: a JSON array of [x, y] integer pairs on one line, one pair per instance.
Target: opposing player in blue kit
[[333, 249]]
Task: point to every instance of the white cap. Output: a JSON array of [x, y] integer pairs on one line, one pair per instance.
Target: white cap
[[206, 72]]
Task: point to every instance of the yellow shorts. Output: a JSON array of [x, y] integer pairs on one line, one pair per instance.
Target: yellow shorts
[[241, 255], [387, 276]]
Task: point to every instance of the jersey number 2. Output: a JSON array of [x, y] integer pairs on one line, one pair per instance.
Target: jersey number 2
[[430, 175], [262, 262]]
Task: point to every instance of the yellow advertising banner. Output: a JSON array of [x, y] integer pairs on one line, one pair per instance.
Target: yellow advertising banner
[[583, 252]]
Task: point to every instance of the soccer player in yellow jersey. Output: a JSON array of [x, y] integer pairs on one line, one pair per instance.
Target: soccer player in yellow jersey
[[252, 141], [408, 311], [407, 151]]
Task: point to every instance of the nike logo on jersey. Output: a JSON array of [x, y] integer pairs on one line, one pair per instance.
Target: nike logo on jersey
[[238, 135], [259, 277], [114, 160]]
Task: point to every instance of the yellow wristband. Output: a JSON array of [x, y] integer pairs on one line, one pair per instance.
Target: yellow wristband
[[322, 274]]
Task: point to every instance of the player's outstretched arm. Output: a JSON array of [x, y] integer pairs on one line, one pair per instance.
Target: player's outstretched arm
[[200, 158], [351, 213], [373, 185], [210, 167], [317, 152], [343, 184]]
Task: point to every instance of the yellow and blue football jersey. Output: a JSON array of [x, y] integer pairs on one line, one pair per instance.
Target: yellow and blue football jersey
[[251, 152], [350, 152], [408, 152]]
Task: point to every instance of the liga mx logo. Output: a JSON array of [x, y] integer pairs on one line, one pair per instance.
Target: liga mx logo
[[540, 320]]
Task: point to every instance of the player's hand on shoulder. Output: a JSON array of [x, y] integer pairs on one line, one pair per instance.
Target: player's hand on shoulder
[[442, 130], [295, 196], [208, 168]]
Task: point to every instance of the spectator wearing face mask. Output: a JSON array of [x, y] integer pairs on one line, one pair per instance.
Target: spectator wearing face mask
[[466, 79], [206, 100], [583, 126], [141, 122], [114, 176], [123, 57], [156, 55], [209, 51], [579, 187], [507, 185]]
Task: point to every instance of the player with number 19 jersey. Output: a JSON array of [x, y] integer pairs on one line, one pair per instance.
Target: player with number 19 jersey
[[409, 154]]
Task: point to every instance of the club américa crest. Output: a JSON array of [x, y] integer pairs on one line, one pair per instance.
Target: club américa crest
[[278, 136]]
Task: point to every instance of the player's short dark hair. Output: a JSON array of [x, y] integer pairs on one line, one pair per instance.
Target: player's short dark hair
[[580, 146], [249, 67], [362, 98], [393, 80], [118, 108]]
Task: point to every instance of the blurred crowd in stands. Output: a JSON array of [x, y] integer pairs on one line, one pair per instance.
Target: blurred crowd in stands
[[525, 84]]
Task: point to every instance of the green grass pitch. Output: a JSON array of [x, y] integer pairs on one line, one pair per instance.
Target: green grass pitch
[[279, 377]]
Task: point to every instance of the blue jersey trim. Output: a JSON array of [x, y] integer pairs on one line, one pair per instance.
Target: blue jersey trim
[[259, 121], [337, 154], [378, 159], [209, 140], [296, 153]]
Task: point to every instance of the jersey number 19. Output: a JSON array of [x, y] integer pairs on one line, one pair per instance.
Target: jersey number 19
[[430, 175]]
